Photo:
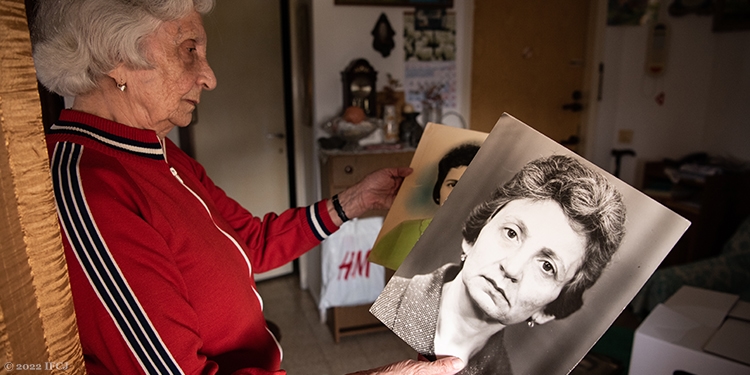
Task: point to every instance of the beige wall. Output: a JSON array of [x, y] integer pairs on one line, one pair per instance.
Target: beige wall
[[706, 86]]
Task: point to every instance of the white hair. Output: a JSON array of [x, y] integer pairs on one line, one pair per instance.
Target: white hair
[[76, 42]]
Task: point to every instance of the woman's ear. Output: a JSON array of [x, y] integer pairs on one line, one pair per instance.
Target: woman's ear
[[119, 74], [466, 248], [540, 317]]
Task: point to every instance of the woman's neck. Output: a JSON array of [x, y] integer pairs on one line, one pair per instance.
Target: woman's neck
[[109, 103], [461, 331]]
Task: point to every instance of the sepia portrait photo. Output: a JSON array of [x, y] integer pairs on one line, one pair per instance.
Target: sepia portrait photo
[[529, 261], [440, 160]]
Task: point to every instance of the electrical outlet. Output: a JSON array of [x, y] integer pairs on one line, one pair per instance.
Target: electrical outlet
[[625, 136]]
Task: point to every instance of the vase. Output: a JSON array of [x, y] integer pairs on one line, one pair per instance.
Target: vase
[[410, 132], [432, 112]]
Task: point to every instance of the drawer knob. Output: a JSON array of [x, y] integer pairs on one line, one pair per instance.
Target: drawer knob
[[348, 169]]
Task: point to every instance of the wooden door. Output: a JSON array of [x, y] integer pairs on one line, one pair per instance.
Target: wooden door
[[528, 60]]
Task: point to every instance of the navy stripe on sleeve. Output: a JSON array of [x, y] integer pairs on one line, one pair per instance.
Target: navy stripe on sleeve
[[316, 223]]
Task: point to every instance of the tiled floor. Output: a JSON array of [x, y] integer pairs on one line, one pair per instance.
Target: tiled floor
[[308, 344]]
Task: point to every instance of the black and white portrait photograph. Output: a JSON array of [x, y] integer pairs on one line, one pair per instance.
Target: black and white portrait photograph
[[528, 263]]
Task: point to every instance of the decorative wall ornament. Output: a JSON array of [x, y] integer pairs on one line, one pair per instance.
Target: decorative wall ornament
[[382, 35]]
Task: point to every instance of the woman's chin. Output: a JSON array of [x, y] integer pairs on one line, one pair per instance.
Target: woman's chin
[[488, 311], [182, 121]]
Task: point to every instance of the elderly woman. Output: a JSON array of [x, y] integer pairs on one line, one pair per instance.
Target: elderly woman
[[161, 261], [395, 245], [529, 253]]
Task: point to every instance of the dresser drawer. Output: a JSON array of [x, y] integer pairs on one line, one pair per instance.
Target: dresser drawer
[[342, 171]]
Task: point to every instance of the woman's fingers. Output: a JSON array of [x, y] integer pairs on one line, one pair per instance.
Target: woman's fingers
[[376, 191], [443, 366]]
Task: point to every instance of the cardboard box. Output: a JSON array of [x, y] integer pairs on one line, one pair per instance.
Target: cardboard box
[[696, 331]]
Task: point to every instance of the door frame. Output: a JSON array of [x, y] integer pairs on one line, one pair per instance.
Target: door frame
[[593, 76]]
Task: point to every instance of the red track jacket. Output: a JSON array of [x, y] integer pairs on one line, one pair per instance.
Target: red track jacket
[[161, 261]]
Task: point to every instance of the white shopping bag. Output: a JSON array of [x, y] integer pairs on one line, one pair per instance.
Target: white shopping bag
[[348, 278]]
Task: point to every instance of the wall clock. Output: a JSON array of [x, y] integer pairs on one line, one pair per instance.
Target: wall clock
[[359, 80]]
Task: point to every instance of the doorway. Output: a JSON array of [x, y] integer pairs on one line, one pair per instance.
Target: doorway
[[241, 135]]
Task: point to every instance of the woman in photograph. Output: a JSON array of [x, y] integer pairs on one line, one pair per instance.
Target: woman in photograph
[[528, 254], [395, 245]]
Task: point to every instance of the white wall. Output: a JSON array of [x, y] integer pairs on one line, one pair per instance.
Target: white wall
[[341, 33], [706, 86]]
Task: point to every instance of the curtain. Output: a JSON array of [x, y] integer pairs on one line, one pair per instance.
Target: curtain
[[37, 321]]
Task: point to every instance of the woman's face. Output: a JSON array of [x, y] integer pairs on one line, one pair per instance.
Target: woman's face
[[166, 95], [521, 260], [451, 178]]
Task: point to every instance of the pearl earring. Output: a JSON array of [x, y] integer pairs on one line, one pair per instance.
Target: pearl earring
[[463, 257], [531, 323], [121, 86]]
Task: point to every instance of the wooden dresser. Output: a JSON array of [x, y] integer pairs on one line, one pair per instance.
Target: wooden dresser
[[340, 170]]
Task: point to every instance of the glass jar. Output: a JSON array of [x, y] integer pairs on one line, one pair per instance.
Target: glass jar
[[432, 112], [390, 126]]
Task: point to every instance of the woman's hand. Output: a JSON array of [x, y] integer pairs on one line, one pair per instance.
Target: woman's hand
[[375, 192], [443, 366]]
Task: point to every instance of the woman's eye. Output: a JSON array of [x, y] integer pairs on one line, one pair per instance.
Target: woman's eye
[[189, 45], [548, 267], [510, 233]]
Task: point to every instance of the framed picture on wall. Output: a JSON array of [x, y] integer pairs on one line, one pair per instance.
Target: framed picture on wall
[[404, 3]]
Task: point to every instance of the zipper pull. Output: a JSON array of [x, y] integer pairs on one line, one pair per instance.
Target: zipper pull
[[174, 173]]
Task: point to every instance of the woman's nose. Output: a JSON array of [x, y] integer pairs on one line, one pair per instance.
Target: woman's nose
[[207, 78], [512, 268]]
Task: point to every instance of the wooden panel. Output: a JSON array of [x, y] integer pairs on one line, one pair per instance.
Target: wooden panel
[[528, 58]]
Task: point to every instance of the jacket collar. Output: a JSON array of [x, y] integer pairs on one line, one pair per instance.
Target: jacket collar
[[111, 134]]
